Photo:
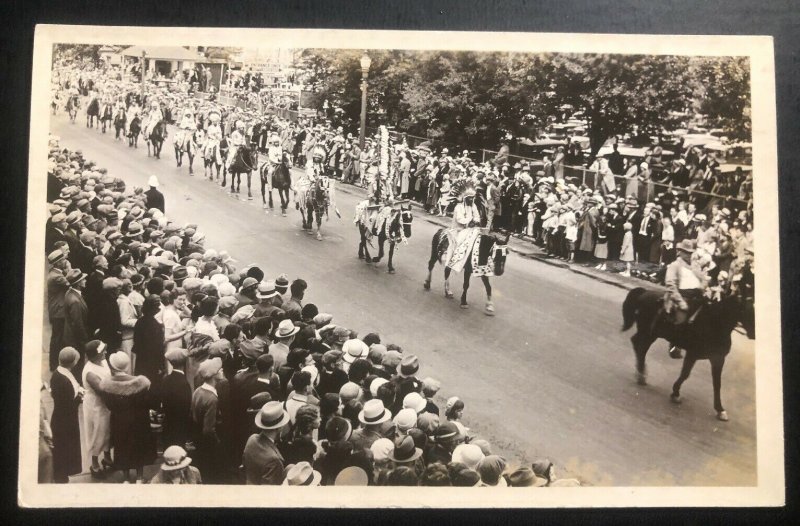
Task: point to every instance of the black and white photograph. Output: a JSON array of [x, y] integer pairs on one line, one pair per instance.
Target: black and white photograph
[[385, 258]]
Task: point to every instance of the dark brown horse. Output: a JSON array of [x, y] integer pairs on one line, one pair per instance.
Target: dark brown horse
[[157, 138], [707, 337], [492, 251], [245, 161]]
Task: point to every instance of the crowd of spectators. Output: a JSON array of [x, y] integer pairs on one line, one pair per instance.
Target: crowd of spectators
[[171, 355]]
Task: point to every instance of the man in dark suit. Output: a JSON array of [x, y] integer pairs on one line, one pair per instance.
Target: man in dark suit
[[57, 286], [83, 254], [249, 382], [93, 292], [54, 231], [76, 332], [643, 236], [176, 400], [615, 162], [155, 199]]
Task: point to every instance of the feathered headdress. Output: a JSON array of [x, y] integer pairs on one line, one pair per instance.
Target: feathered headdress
[[463, 187]]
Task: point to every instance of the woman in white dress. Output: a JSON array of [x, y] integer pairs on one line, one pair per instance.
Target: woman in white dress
[[96, 416]]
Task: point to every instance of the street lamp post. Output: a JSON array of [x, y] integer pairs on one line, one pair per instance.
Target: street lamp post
[[365, 63]]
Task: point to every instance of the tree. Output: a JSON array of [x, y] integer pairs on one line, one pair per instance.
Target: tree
[[618, 94], [226, 53], [78, 52], [724, 94]]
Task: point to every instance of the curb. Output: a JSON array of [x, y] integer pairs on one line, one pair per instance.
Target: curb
[[532, 252]]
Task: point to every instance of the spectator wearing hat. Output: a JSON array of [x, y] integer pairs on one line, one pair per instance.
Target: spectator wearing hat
[[405, 381], [205, 324], [282, 288], [57, 286], [491, 469], [148, 342], [328, 408], [108, 321], [405, 453], [454, 411], [246, 383], [299, 445], [337, 449], [446, 437], [247, 293], [430, 386], [96, 415], [389, 364], [284, 336], [371, 417], [155, 199], [232, 361], [205, 411], [462, 476], [524, 478], [294, 306], [267, 296], [545, 470], [67, 396], [176, 468], [93, 291], [128, 399], [262, 461], [175, 395], [627, 254], [76, 313], [331, 376], [54, 231], [301, 474], [82, 256], [352, 350]]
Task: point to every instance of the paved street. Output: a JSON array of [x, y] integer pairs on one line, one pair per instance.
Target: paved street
[[550, 375]]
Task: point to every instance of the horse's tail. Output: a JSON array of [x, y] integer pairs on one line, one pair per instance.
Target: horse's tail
[[435, 242], [630, 307]]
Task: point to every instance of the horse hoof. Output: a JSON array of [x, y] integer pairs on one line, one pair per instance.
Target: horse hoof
[[283, 214], [426, 285], [722, 416], [319, 236], [641, 379], [376, 260], [448, 295], [390, 271], [675, 398], [489, 311], [464, 306]]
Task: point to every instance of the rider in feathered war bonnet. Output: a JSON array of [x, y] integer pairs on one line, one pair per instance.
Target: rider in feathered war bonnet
[[154, 116]]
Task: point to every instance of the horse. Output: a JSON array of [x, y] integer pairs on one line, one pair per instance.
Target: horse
[[706, 337], [186, 142], [107, 116], [279, 179], [134, 129], [394, 226], [213, 155], [486, 258], [73, 103], [120, 117], [156, 138], [245, 161], [92, 113], [313, 204]]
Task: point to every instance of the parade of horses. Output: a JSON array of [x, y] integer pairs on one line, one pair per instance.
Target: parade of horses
[[477, 219]]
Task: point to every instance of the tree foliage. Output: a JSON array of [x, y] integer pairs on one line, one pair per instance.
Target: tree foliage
[[724, 88], [77, 52], [482, 99]]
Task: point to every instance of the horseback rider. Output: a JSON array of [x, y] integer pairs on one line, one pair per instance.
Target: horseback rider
[[187, 126], [274, 154], [154, 116], [686, 283], [213, 136], [316, 177], [236, 140]]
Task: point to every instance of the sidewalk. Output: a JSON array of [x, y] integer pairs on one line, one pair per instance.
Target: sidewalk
[[526, 248]]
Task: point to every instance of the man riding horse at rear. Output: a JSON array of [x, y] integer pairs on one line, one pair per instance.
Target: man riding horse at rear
[[686, 283]]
